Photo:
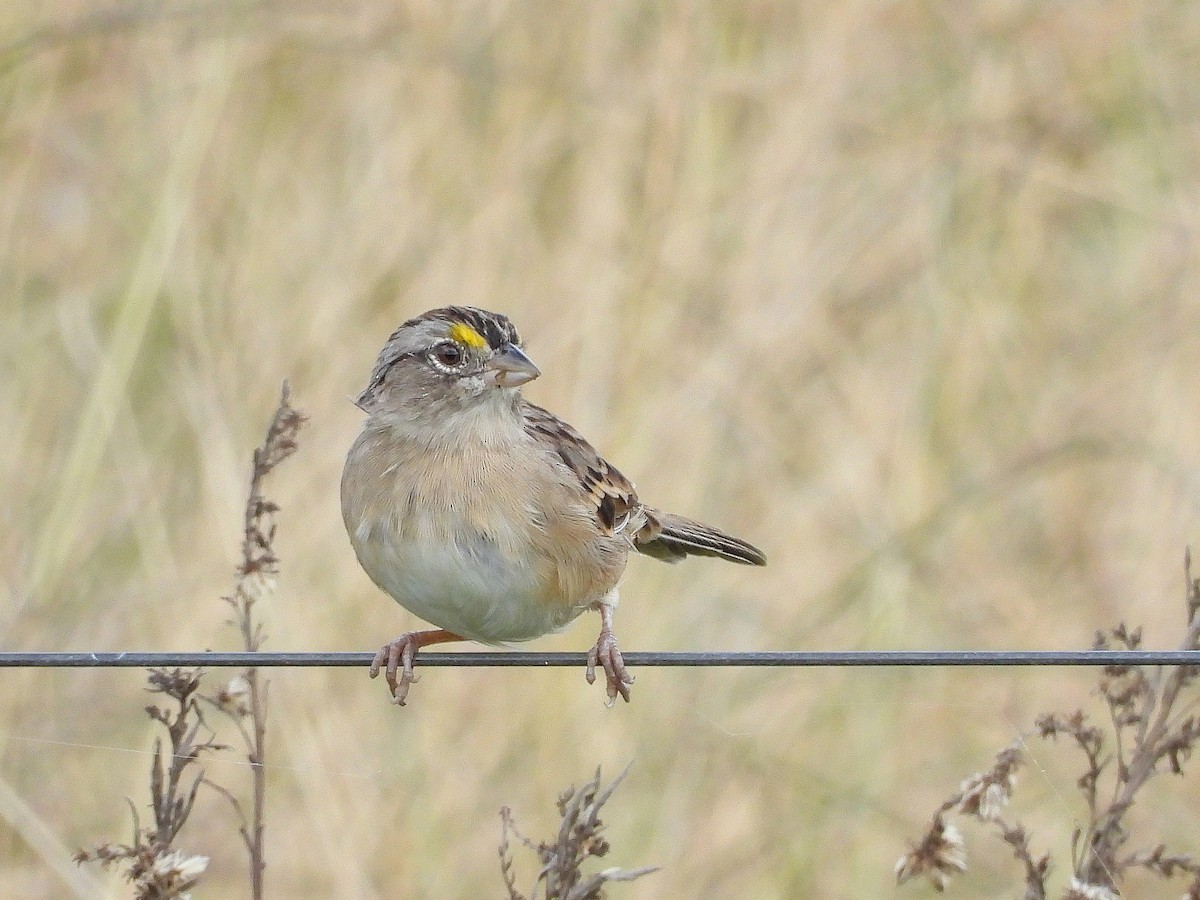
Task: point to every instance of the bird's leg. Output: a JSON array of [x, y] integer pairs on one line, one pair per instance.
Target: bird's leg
[[606, 653], [396, 658]]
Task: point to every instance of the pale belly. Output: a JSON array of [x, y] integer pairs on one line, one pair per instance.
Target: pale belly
[[467, 584], [443, 532]]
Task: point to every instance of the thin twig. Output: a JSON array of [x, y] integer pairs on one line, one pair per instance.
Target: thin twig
[[256, 577]]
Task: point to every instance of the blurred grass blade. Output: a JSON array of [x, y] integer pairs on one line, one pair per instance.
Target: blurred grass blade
[[94, 432], [46, 843]]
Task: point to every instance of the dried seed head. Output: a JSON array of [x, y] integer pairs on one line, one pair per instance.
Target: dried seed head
[[170, 875], [1124, 687], [185, 868], [985, 795], [258, 584], [234, 698], [1081, 890], [179, 684], [941, 854]]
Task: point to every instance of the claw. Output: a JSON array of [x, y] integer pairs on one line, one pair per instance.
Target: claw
[[608, 655], [397, 657]]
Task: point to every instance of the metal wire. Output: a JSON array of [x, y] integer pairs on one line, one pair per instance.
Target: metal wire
[[769, 658]]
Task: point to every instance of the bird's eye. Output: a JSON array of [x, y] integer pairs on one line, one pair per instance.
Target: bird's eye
[[448, 353]]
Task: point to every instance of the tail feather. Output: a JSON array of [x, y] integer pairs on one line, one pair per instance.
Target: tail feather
[[678, 537]]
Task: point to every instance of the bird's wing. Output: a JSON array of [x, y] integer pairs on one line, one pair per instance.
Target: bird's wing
[[605, 489], [618, 511]]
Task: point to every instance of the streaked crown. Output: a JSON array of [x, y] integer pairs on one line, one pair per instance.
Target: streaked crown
[[478, 332], [471, 326]]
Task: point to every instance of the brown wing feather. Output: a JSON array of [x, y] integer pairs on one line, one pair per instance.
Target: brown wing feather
[[613, 497], [678, 537], [610, 493]]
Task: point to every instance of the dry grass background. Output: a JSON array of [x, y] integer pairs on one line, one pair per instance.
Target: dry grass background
[[906, 293]]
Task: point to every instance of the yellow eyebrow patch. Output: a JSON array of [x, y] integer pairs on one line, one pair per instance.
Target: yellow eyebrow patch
[[465, 334]]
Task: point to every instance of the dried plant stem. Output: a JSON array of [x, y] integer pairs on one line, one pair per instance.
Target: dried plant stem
[[151, 862], [580, 838], [1153, 727], [255, 837], [253, 832], [256, 577]]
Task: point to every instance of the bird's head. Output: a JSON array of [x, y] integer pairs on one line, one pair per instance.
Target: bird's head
[[446, 361]]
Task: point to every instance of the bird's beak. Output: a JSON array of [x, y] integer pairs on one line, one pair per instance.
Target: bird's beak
[[511, 367]]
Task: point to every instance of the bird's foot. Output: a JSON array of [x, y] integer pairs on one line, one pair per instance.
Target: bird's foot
[[396, 659], [608, 655]]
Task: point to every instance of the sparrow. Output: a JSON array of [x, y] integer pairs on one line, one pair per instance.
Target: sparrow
[[486, 515]]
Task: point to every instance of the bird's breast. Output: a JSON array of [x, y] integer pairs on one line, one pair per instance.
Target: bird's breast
[[464, 540]]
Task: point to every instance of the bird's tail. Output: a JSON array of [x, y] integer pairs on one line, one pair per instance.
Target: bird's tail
[[678, 537]]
